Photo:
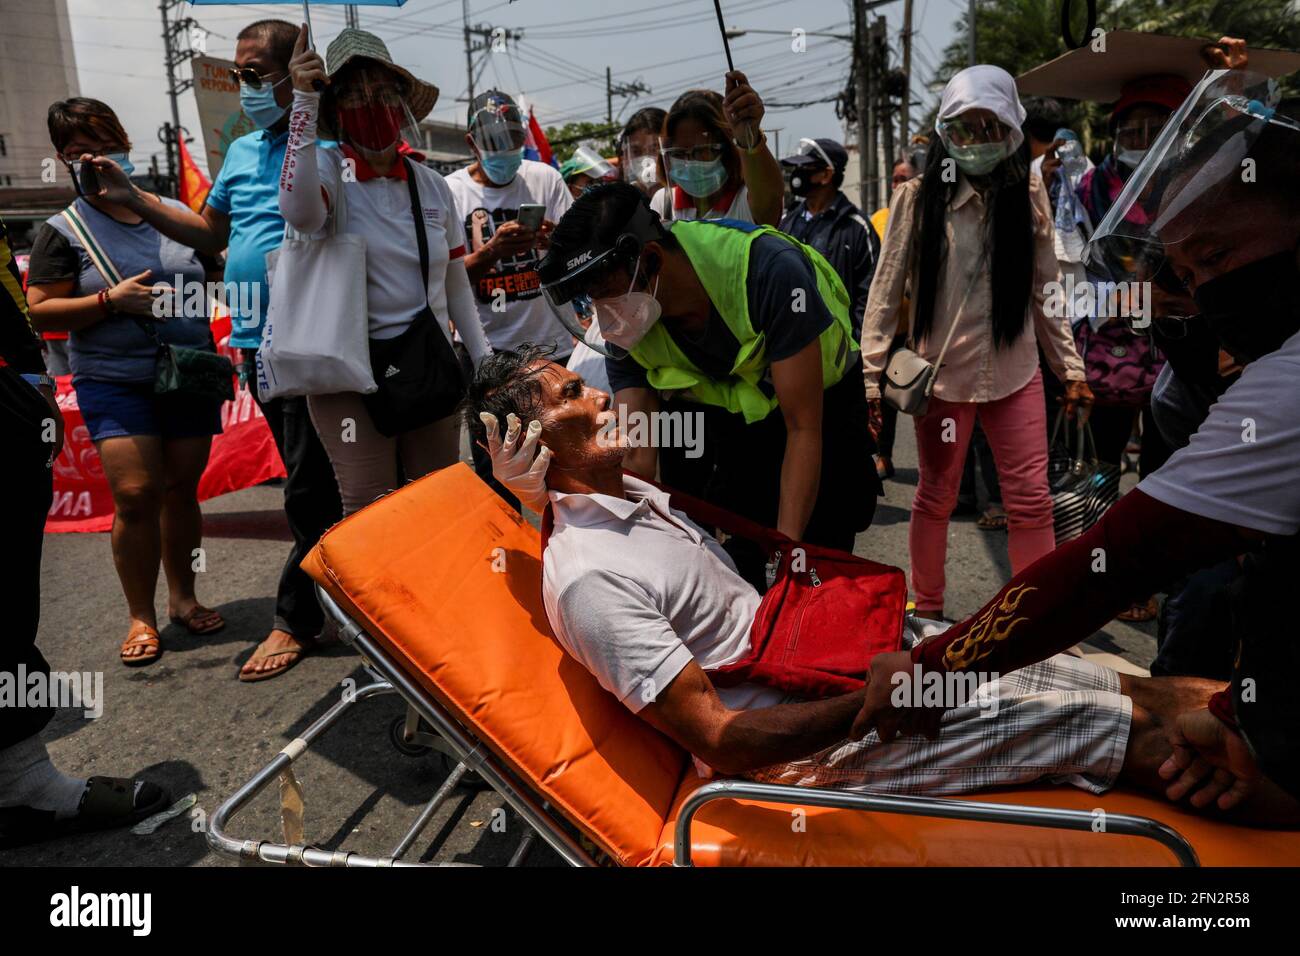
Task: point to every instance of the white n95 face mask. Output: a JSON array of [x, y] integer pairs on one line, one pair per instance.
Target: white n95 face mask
[[624, 320]]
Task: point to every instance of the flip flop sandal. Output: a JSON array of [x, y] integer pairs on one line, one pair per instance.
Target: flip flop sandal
[[991, 522], [107, 802], [1140, 613], [141, 635], [254, 677], [197, 611]]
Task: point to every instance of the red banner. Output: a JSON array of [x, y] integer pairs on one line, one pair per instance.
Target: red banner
[[243, 455]]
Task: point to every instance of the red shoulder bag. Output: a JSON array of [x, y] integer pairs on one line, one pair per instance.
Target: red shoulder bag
[[826, 615]]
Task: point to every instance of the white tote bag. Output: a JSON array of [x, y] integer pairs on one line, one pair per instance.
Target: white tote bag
[[315, 341]]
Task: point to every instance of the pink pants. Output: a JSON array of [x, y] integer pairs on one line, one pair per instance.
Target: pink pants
[[1016, 427]]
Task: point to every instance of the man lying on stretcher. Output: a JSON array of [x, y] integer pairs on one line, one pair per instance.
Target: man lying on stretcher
[[648, 602]]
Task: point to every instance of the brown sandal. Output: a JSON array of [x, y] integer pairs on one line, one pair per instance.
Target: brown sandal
[[295, 655], [1140, 612], [199, 611], [991, 521], [141, 635]]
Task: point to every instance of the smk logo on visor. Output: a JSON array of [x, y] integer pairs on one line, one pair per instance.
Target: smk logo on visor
[[578, 260]]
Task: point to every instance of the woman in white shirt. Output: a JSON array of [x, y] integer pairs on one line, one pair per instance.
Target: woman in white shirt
[[717, 162], [369, 101]]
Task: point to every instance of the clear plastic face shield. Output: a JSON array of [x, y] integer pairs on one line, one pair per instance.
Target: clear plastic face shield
[[370, 108], [810, 147], [698, 168], [640, 156], [604, 288], [590, 163], [1194, 177], [498, 127]]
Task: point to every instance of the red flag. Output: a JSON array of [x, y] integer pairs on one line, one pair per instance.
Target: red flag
[[192, 185], [538, 141]]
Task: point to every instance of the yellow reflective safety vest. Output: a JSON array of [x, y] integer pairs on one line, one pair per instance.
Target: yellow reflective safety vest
[[719, 252]]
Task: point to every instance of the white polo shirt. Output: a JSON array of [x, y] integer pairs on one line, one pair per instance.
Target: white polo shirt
[[380, 210], [634, 596], [1242, 466]]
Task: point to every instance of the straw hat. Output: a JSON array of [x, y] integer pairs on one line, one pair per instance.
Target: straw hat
[[352, 44]]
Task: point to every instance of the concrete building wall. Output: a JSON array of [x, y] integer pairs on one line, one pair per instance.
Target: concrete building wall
[[37, 67]]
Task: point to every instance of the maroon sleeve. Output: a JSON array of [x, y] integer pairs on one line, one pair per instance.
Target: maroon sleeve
[[1139, 546]]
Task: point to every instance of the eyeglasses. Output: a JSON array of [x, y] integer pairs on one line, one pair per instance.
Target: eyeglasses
[[247, 76], [1141, 134], [704, 153], [966, 132]]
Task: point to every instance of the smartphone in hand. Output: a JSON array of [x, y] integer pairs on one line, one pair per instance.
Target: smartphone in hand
[[530, 215], [88, 179]]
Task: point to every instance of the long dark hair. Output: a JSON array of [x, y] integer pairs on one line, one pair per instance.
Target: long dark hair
[[1009, 229]]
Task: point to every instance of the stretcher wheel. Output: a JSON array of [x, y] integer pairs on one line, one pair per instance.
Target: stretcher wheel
[[396, 736]]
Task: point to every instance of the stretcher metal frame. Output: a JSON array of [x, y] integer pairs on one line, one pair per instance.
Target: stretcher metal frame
[[471, 756]]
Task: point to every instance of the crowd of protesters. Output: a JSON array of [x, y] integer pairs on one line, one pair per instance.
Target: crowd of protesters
[[675, 278]]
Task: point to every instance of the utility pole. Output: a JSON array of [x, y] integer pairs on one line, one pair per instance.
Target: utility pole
[[970, 36], [489, 40], [866, 145], [613, 89], [904, 112], [885, 111], [350, 18], [175, 52]]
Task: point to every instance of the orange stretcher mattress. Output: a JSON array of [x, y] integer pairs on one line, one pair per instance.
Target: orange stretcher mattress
[[447, 579]]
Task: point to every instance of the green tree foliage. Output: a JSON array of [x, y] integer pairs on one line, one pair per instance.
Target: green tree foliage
[[1018, 35], [567, 138]]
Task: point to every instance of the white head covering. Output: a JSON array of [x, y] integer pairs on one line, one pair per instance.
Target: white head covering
[[985, 87]]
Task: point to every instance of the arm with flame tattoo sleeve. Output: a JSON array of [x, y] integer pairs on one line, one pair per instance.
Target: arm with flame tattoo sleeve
[[1139, 546]]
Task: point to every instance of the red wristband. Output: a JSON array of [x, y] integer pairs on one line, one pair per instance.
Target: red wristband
[[1221, 706]]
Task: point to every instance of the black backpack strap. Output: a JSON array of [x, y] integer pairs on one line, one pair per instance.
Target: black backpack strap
[[421, 236]]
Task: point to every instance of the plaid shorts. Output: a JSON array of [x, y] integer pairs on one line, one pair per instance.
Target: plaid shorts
[[1062, 720]]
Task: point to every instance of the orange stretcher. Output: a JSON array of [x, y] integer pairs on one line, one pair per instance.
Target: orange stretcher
[[438, 587]]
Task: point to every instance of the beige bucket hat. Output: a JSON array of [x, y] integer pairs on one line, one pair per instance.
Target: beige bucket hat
[[354, 44]]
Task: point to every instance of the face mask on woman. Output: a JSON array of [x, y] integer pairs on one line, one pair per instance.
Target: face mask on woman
[[641, 171], [374, 128], [501, 166], [123, 160], [978, 159], [1129, 158], [698, 179], [624, 320]]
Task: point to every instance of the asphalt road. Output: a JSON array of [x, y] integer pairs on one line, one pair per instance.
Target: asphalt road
[[186, 721]]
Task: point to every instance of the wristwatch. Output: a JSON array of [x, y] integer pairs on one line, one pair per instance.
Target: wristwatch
[[41, 380]]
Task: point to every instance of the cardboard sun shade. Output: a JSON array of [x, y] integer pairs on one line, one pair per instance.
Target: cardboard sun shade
[[1098, 76]]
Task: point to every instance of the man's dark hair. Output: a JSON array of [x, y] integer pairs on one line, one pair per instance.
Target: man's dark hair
[[597, 217], [81, 114], [278, 35], [1043, 117], [505, 382]]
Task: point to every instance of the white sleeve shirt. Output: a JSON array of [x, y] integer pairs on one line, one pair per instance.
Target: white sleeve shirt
[[1242, 466]]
